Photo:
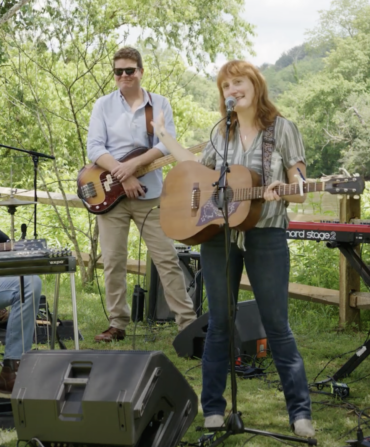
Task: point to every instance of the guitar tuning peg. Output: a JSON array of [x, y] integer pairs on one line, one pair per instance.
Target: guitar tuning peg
[[345, 172], [356, 175], [340, 197], [356, 197]]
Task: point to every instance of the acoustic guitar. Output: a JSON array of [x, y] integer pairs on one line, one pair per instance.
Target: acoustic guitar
[[100, 191], [189, 202]]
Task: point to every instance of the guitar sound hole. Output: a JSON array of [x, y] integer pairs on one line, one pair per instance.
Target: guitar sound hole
[[229, 196]]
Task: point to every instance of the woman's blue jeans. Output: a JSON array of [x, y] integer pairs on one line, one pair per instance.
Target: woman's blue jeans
[[267, 263]]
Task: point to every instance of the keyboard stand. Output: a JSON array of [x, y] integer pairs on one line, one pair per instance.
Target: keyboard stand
[[12, 266], [348, 250]]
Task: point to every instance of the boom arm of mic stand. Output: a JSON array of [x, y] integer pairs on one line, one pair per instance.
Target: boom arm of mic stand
[[38, 154], [35, 158]]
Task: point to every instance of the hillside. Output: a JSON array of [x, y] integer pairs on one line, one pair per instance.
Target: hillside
[[291, 67]]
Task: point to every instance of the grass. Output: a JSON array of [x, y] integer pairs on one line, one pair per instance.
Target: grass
[[259, 400]]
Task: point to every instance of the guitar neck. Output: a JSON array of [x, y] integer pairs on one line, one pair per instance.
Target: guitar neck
[[166, 160], [282, 190]]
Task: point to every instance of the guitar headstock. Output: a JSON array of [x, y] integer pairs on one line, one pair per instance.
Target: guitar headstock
[[344, 185]]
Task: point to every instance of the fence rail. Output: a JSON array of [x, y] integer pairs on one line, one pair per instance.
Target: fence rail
[[348, 298], [359, 300]]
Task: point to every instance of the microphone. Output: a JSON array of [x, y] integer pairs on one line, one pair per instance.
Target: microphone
[[24, 231], [230, 103]]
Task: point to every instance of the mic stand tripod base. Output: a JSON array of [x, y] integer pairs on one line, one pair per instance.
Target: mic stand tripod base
[[234, 425]]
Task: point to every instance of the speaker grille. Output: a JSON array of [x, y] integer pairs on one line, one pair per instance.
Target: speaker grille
[[156, 306]]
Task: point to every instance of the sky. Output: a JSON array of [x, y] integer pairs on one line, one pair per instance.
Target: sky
[[280, 25]]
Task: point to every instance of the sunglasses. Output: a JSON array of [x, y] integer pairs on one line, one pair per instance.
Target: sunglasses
[[129, 71]]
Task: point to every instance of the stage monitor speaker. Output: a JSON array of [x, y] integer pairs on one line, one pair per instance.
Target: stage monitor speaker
[[125, 398], [250, 335], [156, 306], [190, 341]]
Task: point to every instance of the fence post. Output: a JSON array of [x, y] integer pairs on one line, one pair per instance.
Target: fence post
[[349, 279]]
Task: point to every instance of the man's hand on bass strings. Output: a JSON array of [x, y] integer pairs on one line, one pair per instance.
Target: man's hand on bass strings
[[133, 188]]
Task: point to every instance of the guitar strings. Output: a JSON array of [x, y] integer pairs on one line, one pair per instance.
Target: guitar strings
[[245, 192], [116, 181]]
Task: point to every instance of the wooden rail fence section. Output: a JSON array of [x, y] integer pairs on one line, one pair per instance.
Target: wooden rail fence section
[[349, 299], [358, 300]]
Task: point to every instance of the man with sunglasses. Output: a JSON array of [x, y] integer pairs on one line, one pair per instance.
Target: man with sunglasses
[[119, 123]]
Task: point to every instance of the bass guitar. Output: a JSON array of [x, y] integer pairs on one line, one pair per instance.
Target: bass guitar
[[100, 191], [188, 208]]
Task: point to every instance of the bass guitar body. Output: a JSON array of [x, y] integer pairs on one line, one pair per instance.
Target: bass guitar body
[[189, 202], [98, 189]]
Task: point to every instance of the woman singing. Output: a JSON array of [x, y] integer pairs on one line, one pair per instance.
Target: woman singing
[[263, 250]]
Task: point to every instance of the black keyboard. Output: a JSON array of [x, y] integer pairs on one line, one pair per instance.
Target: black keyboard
[[35, 265]]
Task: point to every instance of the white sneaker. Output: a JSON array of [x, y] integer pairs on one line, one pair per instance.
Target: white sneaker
[[214, 421], [304, 428]]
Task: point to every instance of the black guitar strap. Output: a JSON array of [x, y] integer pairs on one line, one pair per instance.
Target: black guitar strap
[[149, 119], [268, 147]]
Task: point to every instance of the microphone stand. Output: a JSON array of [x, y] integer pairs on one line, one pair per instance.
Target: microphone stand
[[234, 424], [35, 158]]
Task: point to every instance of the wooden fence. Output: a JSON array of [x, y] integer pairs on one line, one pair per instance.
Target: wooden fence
[[349, 298]]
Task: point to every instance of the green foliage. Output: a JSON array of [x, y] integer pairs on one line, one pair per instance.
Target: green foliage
[[193, 28], [312, 105], [281, 79], [353, 126], [342, 20], [351, 58], [330, 107], [5, 5], [292, 56], [59, 62]]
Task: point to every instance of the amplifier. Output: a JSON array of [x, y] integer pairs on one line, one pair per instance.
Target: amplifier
[[35, 265]]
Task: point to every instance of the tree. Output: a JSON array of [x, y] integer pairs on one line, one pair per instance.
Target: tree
[[312, 105], [291, 57], [339, 22], [353, 127], [330, 107], [59, 63], [10, 9], [198, 31]]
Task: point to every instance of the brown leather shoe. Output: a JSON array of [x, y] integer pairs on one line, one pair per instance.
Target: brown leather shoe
[[111, 334], [7, 377]]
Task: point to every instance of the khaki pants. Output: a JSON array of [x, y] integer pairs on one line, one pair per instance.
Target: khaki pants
[[114, 230]]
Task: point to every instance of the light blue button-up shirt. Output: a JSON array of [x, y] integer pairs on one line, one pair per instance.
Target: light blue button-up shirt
[[115, 130]]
